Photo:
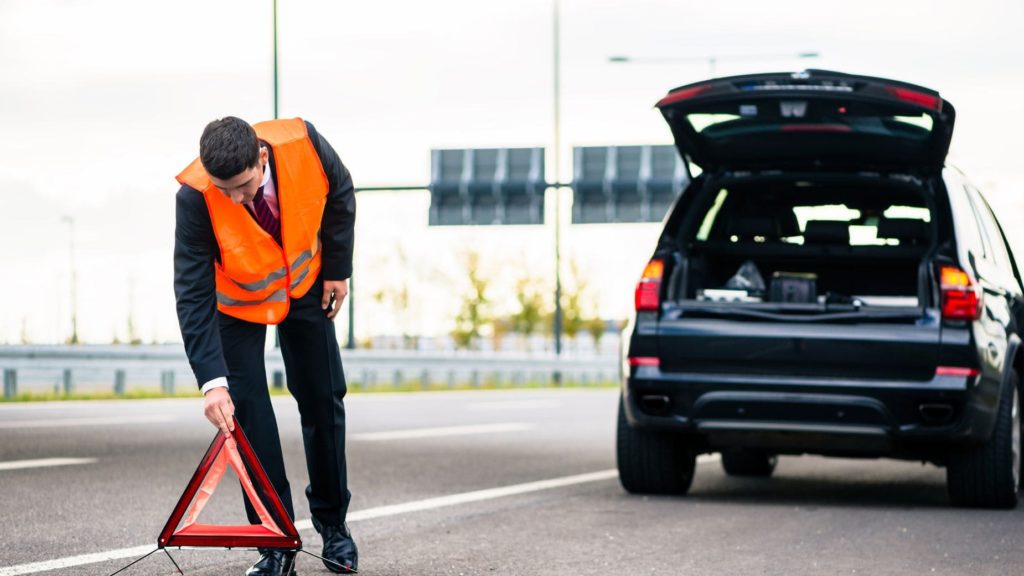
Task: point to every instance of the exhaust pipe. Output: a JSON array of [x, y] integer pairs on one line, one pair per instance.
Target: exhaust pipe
[[936, 413], [654, 404]]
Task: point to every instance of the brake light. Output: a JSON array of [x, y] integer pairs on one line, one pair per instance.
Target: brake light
[[961, 299], [648, 290], [915, 97], [684, 94], [840, 128], [956, 371], [637, 361]]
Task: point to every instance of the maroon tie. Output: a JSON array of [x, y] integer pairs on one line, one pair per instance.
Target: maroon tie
[[265, 217]]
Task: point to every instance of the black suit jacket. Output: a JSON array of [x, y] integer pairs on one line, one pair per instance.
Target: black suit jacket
[[195, 249]]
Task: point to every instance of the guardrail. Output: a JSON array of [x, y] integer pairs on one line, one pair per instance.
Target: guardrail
[[70, 369]]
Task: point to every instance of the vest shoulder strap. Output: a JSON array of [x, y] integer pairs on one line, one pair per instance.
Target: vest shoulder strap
[[280, 132], [195, 176]]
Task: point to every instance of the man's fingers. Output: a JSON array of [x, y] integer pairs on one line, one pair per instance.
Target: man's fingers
[[228, 410], [217, 419], [222, 422], [220, 410], [326, 299]]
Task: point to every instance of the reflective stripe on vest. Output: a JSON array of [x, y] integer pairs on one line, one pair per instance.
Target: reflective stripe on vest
[[279, 273], [299, 278], [278, 296]]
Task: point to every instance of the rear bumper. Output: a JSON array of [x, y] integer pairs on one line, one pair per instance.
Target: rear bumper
[[903, 419]]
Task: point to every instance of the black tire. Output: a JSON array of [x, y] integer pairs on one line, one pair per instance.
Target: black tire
[[987, 476], [652, 462], [748, 462]]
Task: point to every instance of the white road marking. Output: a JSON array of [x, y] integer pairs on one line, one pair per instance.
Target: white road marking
[[515, 405], [368, 514], [72, 561], [467, 497], [98, 421], [44, 463], [415, 433]]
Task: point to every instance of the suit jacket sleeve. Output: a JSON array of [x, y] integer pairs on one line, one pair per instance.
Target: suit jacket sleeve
[[195, 249], [337, 228]]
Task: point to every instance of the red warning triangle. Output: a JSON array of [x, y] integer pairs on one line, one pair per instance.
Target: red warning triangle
[[276, 529]]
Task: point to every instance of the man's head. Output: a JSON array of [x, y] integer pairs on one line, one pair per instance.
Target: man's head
[[233, 158]]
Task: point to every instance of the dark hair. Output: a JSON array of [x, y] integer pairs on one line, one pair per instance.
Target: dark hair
[[227, 147]]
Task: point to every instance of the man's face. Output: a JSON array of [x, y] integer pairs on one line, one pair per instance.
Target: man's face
[[242, 187]]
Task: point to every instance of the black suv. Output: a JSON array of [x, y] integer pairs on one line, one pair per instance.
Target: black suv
[[823, 285]]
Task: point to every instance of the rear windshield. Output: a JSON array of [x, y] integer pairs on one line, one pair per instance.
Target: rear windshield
[[803, 213]]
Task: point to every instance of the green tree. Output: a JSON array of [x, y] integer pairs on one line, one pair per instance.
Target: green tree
[[475, 310], [500, 327], [597, 328], [532, 307], [133, 332], [573, 319]]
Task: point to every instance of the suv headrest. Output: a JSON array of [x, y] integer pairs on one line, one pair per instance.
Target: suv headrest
[[827, 232], [906, 230]]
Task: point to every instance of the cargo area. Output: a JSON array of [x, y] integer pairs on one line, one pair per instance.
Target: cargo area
[[805, 246]]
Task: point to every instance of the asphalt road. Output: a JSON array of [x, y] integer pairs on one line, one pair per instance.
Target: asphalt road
[[423, 468]]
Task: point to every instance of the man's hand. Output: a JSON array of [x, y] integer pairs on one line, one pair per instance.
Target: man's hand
[[219, 409], [340, 289]]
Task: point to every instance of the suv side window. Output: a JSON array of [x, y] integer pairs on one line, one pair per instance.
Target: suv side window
[[986, 238], [990, 228], [968, 221]]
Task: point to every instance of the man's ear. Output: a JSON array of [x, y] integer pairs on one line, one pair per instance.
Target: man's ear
[[264, 156]]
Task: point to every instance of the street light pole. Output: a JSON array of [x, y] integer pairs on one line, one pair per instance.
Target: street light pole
[[351, 344], [277, 334], [712, 60], [70, 221], [558, 180], [275, 59]]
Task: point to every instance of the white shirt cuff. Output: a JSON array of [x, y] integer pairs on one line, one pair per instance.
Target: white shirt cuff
[[220, 382]]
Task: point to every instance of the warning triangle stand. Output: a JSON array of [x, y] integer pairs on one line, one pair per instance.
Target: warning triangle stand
[[276, 529]]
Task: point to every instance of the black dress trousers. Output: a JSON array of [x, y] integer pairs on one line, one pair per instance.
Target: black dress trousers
[[312, 363]]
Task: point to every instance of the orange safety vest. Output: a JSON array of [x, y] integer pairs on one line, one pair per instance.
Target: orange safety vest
[[257, 277]]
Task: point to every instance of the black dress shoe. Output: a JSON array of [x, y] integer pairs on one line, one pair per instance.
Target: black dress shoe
[[340, 551], [273, 563]]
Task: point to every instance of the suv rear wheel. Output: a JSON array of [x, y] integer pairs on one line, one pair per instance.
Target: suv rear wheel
[[748, 462], [988, 475], [652, 462]]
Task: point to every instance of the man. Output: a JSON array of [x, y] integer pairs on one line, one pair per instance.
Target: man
[[265, 226]]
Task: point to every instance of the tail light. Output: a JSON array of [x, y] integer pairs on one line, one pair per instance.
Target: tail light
[[915, 97], [961, 299], [956, 371], [639, 361], [683, 94], [648, 290]]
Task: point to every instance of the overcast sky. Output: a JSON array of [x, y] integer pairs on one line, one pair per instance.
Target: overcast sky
[[102, 103]]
